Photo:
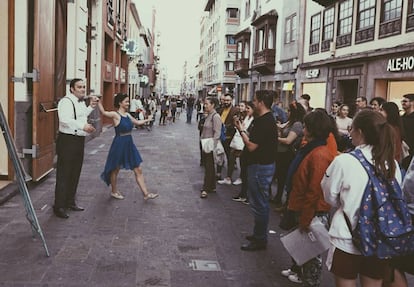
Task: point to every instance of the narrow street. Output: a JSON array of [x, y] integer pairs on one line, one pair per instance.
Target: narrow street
[[135, 243]]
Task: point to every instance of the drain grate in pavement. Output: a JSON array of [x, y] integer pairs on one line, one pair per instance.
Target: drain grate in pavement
[[205, 265]]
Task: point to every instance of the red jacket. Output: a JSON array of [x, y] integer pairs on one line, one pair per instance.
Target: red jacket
[[306, 195]]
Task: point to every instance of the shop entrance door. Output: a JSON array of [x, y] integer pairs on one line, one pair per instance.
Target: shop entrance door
[[348, 92]]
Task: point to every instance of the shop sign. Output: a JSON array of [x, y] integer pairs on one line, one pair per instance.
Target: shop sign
[[400, 64], [288, 86], [314, 73]]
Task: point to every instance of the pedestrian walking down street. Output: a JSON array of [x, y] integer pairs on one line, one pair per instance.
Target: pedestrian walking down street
[[210, 130], [343, 186], [165, 108], [260, 148], [123, 152], [73, 127], [190, 108]]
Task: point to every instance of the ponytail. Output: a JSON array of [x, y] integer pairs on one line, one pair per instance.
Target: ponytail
[[380, 135]]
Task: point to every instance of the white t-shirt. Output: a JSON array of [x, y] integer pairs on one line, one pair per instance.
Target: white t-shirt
[[343, 125]]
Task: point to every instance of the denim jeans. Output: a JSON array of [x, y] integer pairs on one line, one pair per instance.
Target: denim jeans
[[259, 178], [189, 114]]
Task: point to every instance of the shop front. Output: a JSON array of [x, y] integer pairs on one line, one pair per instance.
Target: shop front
[[391, 77]]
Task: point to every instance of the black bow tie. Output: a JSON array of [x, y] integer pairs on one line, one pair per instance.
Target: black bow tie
[[81, 100]]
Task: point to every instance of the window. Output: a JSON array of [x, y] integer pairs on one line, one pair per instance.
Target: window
[[345, 17], [410, 16], [270, 38], [230, 40], [391, 10], [246, 50], [315, 29], [366, 14], [391, 14], [290, 29], [260, 39], [229, 66], [247, 9], [328, 24], [232, 13], [239, 50]]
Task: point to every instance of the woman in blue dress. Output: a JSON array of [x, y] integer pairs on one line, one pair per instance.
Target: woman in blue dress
[[123, 152]]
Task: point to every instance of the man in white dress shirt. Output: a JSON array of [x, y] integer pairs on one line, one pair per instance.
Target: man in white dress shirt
[[73, 127]]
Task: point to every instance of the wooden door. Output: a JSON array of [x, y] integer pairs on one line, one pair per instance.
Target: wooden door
[[44, 88]]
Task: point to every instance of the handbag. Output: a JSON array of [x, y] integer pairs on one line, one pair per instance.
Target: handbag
[[237, 142], [207, 145]]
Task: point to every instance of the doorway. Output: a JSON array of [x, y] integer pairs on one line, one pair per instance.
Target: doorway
[[347, 93]]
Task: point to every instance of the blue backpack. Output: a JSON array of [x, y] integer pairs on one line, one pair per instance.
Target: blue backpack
[[384, 227]]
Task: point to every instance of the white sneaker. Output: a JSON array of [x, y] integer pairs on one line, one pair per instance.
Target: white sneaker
[[287, 272], [294, 278], [224, 181], [237, 181]]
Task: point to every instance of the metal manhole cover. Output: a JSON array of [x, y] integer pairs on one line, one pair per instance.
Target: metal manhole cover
[[205, 265]]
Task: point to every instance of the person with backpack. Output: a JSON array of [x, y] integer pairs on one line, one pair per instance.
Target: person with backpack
[[345, 186]]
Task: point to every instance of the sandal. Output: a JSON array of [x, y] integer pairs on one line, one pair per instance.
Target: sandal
[[151, 196], [203, 194], [117, 195]]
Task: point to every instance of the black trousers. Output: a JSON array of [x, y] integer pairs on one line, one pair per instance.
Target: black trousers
[[70, 151], [209, 183]]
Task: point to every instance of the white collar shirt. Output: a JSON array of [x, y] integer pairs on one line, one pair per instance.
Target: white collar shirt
[[68, 123]]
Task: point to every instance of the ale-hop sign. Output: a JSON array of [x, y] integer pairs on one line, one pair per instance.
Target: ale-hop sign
[[401, 64]]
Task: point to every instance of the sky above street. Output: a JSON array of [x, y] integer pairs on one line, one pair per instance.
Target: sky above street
[[178, 23]]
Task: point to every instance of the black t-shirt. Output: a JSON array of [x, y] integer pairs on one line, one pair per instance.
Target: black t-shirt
[[263, 132]]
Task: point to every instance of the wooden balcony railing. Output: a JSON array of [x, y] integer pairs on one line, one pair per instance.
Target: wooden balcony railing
[[264, 61]]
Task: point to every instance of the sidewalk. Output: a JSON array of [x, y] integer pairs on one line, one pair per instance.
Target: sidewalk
[[176, 240]]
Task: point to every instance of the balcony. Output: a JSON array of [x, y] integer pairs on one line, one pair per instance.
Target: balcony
[[264, 61], [390, 28], [364, 35], [229, 74], [241, 67], [343, 40], [232, 21], [410, 22]]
